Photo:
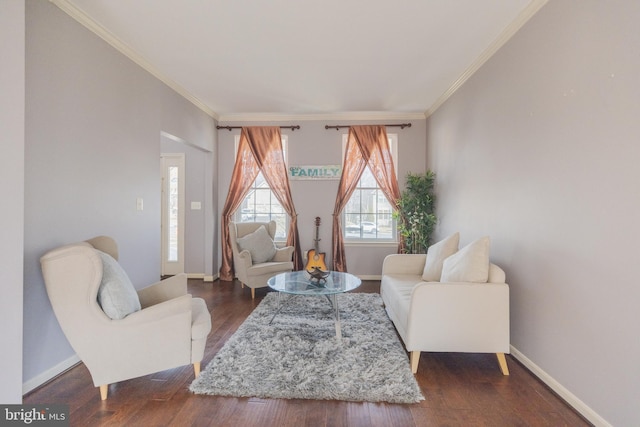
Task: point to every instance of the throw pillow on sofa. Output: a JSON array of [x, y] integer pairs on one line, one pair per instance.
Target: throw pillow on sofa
[[469, 264], [116, 295], [259, 245], [436, 254]]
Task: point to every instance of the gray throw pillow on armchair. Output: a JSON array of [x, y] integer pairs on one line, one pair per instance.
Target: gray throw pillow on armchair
[[116, 295], [259, 245]]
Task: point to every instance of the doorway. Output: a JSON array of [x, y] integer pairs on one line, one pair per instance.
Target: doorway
[[173, 213]]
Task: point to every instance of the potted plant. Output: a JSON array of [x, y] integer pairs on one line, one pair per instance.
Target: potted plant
[[415, 212]]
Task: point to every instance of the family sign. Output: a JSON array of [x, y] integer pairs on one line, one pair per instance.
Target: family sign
[[315, 172]]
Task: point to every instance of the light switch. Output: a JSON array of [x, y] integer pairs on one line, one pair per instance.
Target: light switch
[[195, 206], [139, 204]]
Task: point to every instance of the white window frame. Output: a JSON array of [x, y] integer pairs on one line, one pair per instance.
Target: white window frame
[[363, 239], [281, 232]]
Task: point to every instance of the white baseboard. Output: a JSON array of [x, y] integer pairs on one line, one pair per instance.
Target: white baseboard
[[49, 374], [569, 397], [369, 277], [202, 276]]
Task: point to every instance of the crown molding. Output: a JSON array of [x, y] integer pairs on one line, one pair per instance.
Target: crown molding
[[84, 19], [347, 115], [81, 17], [502, 39]]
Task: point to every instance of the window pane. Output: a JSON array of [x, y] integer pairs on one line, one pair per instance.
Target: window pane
[[367, 180], [352, 225], [368, 213], [281, 225], [353, 205], [260, 182], [261, 205]]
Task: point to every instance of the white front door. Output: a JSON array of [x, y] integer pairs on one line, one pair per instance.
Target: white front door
[[173, 184]]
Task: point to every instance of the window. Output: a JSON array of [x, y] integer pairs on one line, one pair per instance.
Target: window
[[368, 214], [261, 205]]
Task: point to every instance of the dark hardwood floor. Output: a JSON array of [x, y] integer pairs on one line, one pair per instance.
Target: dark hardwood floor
[[459, 390]]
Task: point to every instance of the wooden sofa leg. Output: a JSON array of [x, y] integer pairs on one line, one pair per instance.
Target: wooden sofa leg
[[253, 293], [196, 368], [415, 359], [502, 361], [104, 391]]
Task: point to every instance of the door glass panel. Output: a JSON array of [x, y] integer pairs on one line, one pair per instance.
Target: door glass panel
[[172, 215]]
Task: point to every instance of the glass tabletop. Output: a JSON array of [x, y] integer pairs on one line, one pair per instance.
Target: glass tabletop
[[301, 283]]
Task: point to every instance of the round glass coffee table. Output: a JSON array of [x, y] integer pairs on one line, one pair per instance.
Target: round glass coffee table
[[301, 283]]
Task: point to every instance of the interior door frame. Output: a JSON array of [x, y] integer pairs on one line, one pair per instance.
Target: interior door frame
[[171, 267]]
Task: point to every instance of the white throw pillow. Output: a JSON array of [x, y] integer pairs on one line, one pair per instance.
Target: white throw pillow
[[116, 295], [436, 254], [259, 245], [469, 264]]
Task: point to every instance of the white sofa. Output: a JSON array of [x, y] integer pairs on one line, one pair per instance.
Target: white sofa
[[447, 316]]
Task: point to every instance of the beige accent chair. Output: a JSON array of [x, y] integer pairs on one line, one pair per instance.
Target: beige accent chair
[[169, 330], [251, 273]]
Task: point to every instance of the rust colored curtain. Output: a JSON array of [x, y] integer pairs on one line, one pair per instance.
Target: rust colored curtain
[[260, 149], [366, 146]]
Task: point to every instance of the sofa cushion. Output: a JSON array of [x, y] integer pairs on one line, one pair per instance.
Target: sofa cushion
[[396, 291], [469, 264], [116, 295], [436, 254], [259, 244]]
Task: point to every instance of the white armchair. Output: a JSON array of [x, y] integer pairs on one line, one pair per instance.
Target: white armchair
[[166, 327], [255, 256]]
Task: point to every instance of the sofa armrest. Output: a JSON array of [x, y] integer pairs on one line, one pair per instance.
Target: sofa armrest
[[404, 264], [162, 332], [157, 312], [163, 290], [459, 316], [283, 254], [243, 258], [496, 274]]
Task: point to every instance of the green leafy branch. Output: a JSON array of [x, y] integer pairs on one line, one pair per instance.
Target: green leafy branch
[[415, 212]]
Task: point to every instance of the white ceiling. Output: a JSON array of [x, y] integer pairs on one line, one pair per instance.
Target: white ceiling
[[241, 59]]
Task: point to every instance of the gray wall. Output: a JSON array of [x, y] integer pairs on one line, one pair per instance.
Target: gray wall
[[312, 144], [12, 86], [539, 150], [93, 135]]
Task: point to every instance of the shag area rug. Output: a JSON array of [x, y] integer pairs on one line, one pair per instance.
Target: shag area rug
[[298, 356]]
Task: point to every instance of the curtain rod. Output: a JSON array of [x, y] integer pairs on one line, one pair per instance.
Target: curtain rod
[[292, 127], [337, 127]]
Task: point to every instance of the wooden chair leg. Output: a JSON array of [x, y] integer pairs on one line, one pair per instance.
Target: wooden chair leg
[[196, 369], [253, 293], [502, 361], [104, 391], [415, 359]]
